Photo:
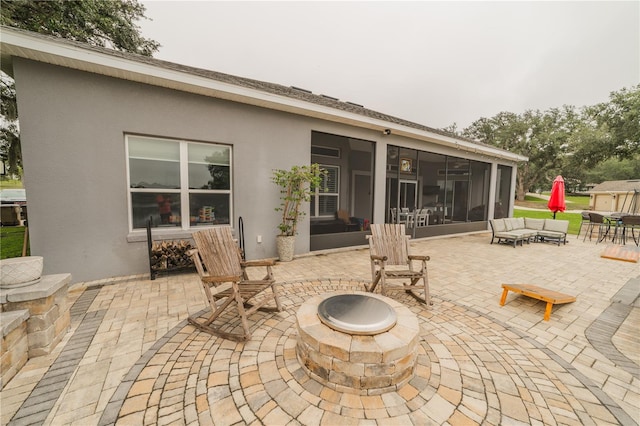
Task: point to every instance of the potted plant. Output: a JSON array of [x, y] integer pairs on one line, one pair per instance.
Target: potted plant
[[297, 185]]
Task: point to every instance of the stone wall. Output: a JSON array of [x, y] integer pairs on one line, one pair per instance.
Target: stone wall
[[14, 351], [49, 317]]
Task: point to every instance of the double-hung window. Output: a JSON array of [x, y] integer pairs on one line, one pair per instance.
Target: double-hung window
[[178, 183], [325, 201]]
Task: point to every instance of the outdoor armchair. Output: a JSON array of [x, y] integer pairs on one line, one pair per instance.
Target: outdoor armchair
[[391, 260], [226, 284]]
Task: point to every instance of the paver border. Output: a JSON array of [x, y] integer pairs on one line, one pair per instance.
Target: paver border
[[37, 406], [600, 333]]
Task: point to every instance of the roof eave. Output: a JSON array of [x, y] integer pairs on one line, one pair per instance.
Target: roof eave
[[47, 50]]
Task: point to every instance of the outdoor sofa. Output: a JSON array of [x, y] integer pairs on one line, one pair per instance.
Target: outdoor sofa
[[514, 230]]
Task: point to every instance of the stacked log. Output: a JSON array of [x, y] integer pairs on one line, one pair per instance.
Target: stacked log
[[169, 255]]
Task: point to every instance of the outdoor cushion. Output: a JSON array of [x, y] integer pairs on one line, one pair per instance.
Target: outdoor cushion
[[518, 222], [556, 225], [508, 226], [554, 230], [550, 234], [509, 235], [524, 232], [498, 225], [534, 224]]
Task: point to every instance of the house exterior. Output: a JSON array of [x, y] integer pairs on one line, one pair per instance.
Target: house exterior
[[616, 196], [111, 141]]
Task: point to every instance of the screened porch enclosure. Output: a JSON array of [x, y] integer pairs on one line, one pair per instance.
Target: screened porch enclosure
[[425, 189], [431, 193], [342, 208]]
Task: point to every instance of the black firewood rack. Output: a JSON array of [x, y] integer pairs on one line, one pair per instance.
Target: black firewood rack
[[156, 268]]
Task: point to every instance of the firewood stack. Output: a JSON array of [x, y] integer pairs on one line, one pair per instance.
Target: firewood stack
[[169, 255]]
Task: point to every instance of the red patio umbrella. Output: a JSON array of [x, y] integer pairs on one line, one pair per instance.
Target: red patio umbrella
[[556, 200]]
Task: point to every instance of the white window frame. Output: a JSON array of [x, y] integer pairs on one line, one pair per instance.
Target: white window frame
[[184, 190], [319, 192]]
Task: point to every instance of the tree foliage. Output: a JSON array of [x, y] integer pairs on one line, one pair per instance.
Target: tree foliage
[[614, 169], [620, 120], [102, 23], [568, 141], [95, 22], [541, 136]]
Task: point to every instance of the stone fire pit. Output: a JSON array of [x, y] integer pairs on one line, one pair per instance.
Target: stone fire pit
[[346, 352]]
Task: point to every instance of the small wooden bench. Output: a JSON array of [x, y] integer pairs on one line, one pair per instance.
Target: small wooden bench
[[535, 292]]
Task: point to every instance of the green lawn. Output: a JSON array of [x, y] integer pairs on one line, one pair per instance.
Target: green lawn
[[574, 202], [573, 218], [10, 184], [11, 240], [11, 237]]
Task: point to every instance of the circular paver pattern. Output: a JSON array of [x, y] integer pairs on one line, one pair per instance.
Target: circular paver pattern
[[470, 370]]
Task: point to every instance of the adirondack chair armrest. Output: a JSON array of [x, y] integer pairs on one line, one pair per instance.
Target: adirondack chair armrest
[[379, 258], [197, 261], [221, 279], [261, 262], [418, 257]]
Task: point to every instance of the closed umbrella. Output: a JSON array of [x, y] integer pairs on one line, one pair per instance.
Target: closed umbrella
[[556, 200]]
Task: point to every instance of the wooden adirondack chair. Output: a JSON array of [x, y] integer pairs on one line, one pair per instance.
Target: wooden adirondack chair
[[390, 259], [225, 281]]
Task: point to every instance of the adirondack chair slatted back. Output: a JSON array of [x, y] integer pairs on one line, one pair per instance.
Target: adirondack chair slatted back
[[379, 229], [391, 241], [389, 246], [219, 252], [395, 248]]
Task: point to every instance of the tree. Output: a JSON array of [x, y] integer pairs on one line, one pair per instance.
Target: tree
[[568, 141], [541, 136], [614, 169], [620, 119], [9, 139], [96, 22], [453, 129]]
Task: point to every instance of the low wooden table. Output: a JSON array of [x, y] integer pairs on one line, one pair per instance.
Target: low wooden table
[[535, 292]]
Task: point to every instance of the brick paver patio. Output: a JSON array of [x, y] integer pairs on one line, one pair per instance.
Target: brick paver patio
[[130, 357]]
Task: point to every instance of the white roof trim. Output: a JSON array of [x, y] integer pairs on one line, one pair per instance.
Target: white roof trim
[[35, 47]]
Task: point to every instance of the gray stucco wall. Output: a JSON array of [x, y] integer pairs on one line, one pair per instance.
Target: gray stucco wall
[[72, 127]]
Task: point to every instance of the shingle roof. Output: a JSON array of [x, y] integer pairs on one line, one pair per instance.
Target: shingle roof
[[617, 186], [263, 86]]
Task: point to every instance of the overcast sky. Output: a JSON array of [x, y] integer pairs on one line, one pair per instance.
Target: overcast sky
[[434, 63]]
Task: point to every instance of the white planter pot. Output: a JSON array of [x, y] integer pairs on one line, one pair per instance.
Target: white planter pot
[[285, 246], [20, 271]]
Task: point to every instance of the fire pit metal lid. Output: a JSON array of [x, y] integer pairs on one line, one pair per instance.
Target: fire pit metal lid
[[357, 314]]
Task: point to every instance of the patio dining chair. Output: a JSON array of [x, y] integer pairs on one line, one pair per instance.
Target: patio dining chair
[[391, 260], [226, 284], [630, 224], [422, 217], [597, 220], [585, 220], [394, 215]]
